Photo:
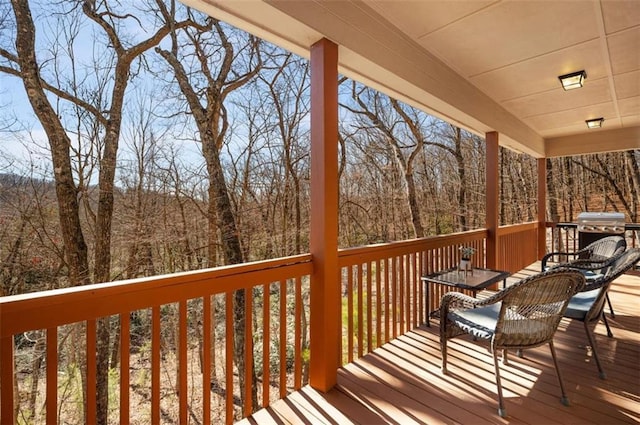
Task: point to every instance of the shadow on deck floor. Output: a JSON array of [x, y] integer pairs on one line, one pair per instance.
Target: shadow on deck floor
[[401, 382]]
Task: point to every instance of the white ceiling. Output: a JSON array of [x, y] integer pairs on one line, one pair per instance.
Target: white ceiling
[[525, 45], [485, 65]]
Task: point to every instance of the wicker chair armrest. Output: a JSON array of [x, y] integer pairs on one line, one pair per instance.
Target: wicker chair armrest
[[456, 301], [550, 255], [589, 264]]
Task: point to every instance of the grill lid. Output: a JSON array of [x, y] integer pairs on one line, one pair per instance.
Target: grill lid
[[601, 222]]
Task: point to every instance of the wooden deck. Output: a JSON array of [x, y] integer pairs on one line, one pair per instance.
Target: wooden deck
[[401, 381]]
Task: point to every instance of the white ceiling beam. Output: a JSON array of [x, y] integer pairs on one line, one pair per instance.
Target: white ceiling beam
[[598, 141]]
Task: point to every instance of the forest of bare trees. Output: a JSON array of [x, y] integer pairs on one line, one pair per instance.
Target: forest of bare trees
[[152, 139]]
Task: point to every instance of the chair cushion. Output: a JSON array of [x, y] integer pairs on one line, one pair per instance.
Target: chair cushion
[[479, 322], [590, 275], [580, 304]]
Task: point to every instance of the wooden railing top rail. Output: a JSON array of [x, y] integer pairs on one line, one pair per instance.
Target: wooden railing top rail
[[349, 256], [515, 228], [40, 310]]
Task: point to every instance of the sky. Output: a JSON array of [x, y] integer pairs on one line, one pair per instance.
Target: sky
[[25, 142]]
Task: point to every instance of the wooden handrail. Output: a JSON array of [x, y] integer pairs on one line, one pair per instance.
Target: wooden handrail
[[517, 228], [347, 256], [39, 310]]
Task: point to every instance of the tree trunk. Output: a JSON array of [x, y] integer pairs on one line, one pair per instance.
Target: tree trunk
[[212, 122], [66, 191], [232, 252], [462, 177]]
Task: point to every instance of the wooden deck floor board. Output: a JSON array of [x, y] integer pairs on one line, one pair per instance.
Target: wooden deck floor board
[[415, 388], [401, 381]]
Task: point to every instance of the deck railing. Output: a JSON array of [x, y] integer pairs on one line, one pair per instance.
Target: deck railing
[[191, 319], [169, 330], [383, 296], [563, 237], [517, 247]]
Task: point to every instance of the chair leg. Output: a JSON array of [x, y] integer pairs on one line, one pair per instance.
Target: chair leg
[[594, 350], [613, 314], [443, 349], [564, 400], [502, 411], [606, 323]]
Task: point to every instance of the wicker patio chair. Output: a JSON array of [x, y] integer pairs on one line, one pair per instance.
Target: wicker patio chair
[[588, 306], [524, 315], [592, 260]]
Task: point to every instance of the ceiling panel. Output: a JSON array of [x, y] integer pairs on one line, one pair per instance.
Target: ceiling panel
[[631, 121], [514, 52], [620, 14], [629, 107], [596, 92], [624, 50], [572, 117], [511, 32], [566, 130], [627, 85], [424, 17], [541, 73]]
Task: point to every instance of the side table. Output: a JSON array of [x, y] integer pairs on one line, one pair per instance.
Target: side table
[[481, 279]]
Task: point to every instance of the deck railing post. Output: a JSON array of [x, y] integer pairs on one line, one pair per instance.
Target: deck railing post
[[542, 207], [492, 200], [325, 282]]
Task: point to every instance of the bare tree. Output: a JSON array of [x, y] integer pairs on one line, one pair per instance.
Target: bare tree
[[25, 65], [288, 89], [204, 43], [406, 146], [611, 173]]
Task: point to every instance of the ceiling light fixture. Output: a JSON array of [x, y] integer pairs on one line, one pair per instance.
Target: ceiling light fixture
[[595, 123], [575, 80]]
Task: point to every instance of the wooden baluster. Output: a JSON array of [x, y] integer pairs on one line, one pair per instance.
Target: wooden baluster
[[387, 299], [297, 348], [7, 368], [248, 352], [206, 360], [91, 373], [394, 296], [283, 338], [266, 342], [125, 332], [369, 308], [360, 312], [350, 313], [155, 364], [378, 304], [182, 361], [229, 419]]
